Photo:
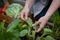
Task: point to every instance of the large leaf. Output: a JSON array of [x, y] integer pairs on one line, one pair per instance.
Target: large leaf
[[23, 33], [13, 25], [47, 31], [14, 10], [49, 38]]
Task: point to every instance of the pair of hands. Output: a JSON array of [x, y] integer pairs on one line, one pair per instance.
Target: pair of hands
[[42, 21]]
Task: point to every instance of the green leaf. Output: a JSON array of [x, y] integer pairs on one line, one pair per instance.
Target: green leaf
[[29, 21], [19, 27], [2, 25], [42, 38], [35, 27], [23, 33], [38, 38], [14, 10], [33, 35], [13, 25], [47, 31], [24, 26], [49, 38]]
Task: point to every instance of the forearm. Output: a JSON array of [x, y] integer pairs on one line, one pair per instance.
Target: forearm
[[29, 3], [53, 7]]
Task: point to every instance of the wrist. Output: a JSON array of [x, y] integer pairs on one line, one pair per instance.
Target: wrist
[[27, 6], [46, 17]]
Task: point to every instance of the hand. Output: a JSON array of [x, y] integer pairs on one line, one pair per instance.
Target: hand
[[24, 13], [42, 22]]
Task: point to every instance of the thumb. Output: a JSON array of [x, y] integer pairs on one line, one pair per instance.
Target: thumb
[[37, 22]]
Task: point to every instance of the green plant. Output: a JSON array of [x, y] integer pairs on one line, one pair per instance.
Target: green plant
[[14, 10], [56, 28], [17, 30]]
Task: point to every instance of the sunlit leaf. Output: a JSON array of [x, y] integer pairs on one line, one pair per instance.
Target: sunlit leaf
[[23, 33], [13, 25]]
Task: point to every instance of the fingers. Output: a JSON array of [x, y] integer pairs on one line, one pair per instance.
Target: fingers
[[22, 15], [36, 23], [41, 27], [26, 16], [41, 23]]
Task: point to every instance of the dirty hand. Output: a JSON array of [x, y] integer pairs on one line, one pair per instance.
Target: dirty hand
[[42, 22]]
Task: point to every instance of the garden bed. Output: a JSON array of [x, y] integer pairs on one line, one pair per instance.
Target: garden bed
[[19, 30]]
